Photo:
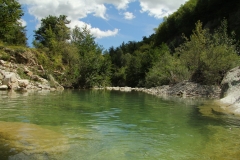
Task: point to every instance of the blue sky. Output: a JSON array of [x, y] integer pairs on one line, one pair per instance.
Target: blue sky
[[110, 21]]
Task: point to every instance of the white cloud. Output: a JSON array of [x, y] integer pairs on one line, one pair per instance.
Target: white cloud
[[95, 31], [23, 22], [128, 15], [119, 4], [160, 8], [79, 9], [75, 10], [100, 34]]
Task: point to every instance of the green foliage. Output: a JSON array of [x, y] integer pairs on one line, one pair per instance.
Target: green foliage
[[209, 12], [11, 30], [118, 77], [75, 63], [208, 56], [84, 40], [177, 23], [52, 30], [20, 72], [131, 61], [133, 71], [166, 70], [93, 67], [4, 56]]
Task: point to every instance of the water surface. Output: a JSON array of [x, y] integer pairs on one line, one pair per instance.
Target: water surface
[[101, 125]]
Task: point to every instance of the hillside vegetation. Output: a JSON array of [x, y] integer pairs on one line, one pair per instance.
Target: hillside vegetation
[[198, 42]]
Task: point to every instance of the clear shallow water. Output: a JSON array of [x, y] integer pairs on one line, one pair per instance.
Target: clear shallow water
[[103, 125]]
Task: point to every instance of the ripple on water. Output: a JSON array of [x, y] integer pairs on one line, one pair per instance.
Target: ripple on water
[[91, 125]]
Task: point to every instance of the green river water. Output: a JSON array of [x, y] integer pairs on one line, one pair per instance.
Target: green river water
[[108, 125]]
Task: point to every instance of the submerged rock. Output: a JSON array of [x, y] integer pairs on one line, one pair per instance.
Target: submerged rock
[[29, 141]]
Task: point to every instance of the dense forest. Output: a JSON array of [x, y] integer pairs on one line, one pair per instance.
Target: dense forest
[[198, 42]]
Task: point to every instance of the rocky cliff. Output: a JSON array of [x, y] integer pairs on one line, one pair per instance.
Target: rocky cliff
[[20, 71]]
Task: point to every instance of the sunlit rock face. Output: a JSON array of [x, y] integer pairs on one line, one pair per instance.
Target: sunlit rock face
[[231, 90], [230, 97], [29, 141]]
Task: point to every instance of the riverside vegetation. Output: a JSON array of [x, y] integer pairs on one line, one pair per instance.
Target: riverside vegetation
[[187, 45]]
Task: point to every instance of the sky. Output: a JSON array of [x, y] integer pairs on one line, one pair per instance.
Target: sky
[[111, 22]]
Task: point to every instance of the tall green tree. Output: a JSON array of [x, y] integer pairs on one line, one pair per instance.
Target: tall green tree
[[94, 68], [83, 39], [52, 30], [11, 29]]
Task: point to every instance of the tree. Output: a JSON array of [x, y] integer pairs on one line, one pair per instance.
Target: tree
[[167, 69], [52, 30], [11, 29], [83, 39], [94, 68], [208, 56]]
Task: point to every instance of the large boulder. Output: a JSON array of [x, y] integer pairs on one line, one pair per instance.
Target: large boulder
[[231, 91], [11, 80]]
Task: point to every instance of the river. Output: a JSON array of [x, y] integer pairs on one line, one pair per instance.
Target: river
[[111, 125]]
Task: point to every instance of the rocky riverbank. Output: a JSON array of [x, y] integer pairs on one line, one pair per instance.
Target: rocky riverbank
[[182, 89], [11, 80], [227, 96]]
